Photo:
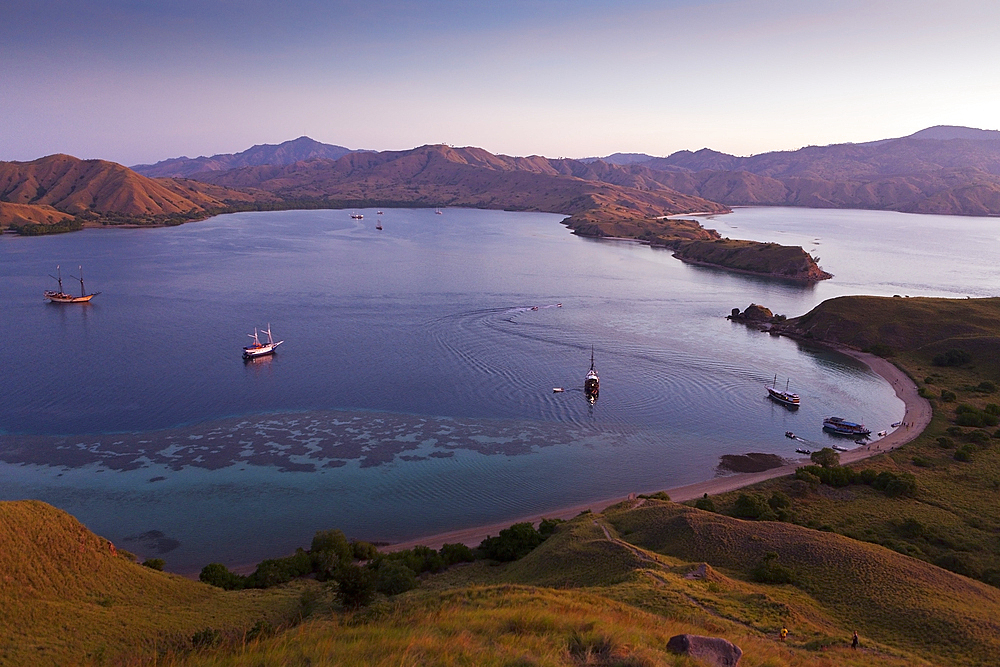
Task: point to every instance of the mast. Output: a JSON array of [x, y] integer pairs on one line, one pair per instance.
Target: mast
[[591, 357], [59, 278]]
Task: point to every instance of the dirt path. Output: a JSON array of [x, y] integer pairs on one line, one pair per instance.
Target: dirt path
[[917, 417]]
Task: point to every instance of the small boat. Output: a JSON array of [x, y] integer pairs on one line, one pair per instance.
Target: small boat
[[896, 424], [259, 349], [882, 434], [786, 397], [789, 434], [378, 226], [534, 307], [592, 383], [840, 448], [61, 297], [803, 450], [557, 390], [841, 426], [378, 212], [357, 216], [438, 212]]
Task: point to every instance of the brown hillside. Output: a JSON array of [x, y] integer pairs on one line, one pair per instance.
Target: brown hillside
[[19, 214], [76, 186], [443, 176]]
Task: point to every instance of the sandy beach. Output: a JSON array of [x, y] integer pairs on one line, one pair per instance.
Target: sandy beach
[[917, 417]]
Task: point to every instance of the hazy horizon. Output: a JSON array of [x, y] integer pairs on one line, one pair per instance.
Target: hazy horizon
[[139, 83]]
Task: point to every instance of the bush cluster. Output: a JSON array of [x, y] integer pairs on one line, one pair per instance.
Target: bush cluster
[[770, 571], [952, 357], [967, 415], [890, 483], [517, 541]]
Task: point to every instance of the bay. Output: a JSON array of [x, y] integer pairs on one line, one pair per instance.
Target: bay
[[413, 393]]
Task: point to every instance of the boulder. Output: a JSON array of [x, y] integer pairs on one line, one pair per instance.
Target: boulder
[[758, 313], [714, 651]]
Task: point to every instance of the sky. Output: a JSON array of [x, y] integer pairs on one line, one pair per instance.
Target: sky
[[137, 81]]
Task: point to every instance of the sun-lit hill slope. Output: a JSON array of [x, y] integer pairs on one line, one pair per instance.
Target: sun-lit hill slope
[[66, 595], [892, 598], [20, 214], [99, 188], [286, 152]]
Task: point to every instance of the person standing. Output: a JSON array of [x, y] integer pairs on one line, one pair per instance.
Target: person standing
[[783, 633], [854, 641]]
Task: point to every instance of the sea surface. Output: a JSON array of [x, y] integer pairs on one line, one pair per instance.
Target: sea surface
[[413, 392]]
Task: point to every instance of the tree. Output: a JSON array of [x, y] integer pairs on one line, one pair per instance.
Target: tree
[[393, 578], [826, 457], [512, 543]]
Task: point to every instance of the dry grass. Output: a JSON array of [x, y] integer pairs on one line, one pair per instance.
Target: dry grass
[[65, 597]]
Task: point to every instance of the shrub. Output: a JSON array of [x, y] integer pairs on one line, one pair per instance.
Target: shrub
[[924, 392], [363, 550], [880, 350], [896, 485], [217, 574], [770, 571], [705, 503], [922, 462], [963, 453], [912, 529], [753, 507], [456, 553], [420, 559], [945, 442], [986, 387], [779, 500], [512, 543], [928, 380], [805, 475], [154, 564], [394, 578], [355, 586], [260, 630], [979, 437], [276, 571], [952, 357], [547, 527], [992, 409], [947, 396]]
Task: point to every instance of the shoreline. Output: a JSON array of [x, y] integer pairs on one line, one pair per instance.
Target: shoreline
[[917, 411]]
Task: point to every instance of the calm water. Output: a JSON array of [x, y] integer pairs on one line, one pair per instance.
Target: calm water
[[413, 393]]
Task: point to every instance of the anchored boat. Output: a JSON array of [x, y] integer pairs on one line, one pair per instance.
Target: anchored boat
[[62, 297], [592, 383], [786, 397], [259, 349], [841, 426]]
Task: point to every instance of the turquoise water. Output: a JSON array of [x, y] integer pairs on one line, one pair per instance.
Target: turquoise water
[[413, 393]]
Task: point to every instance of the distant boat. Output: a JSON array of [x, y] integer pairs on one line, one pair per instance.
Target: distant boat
[[592, 383], [259, 349], [882, 434], [438, 212], [378, 226], [62, 297], [357, 216], [789, 434], [557, 390], [896, 424], [378, 212], [840, 448], [803, 450], [840, 426], [786, 397]]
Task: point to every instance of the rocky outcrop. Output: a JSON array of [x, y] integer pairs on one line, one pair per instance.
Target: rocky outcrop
[[714, 651]]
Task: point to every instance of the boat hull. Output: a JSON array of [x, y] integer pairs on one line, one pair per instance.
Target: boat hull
[[786, 399], [262, 351], [838, 426], [60, 297]]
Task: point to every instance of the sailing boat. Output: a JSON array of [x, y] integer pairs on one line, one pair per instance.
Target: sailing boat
[[786, 397], [592, 383], [62, 297], [259, 349]]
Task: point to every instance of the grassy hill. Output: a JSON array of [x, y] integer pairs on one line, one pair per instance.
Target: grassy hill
[[67, 597]]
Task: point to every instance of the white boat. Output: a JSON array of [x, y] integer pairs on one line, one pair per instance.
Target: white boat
[[896, 424], [61, 297], [786, 397], [378, 212], [357, 216], [592, 383], [840, 448], [438, 212], [841, 426], [557, 390], [259, 349], [803, 450]]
